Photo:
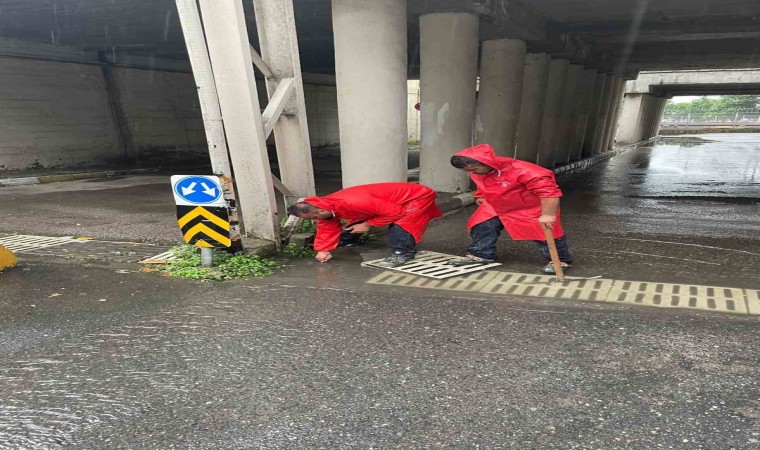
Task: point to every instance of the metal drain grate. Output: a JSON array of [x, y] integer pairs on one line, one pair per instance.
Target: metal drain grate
[[666, 295], [162, 258], [472, 282], [509, 283], [22, 243], [431, 265], [753, 301]]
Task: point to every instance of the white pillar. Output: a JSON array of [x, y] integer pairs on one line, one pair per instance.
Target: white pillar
[[566, 115], [229, 51], [371, 74], [604, 112], [536, 76], [502, 65], [555, 89], [600, 86], [614, 113], [585, 94], [630, 119], [448, 76]]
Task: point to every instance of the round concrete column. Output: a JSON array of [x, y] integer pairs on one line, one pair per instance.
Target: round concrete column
[[555, 89], [566, 114], [370, 74], [536, 76], [502, 65], [604, 112], [585, 94], [593, 115], [448, 77]]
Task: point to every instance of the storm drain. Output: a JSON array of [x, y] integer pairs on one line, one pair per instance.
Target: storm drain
[[472, 282], [508, 283], [663, 295], [666, 295], [21, 243], [753, 301], [431, 265]]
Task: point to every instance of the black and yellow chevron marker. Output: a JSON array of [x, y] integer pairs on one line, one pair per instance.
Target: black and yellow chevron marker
[[204, 226]]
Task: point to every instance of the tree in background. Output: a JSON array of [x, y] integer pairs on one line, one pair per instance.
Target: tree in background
[[723, 104]]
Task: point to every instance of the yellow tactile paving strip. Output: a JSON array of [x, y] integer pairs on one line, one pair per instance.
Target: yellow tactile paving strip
[[661, 295]]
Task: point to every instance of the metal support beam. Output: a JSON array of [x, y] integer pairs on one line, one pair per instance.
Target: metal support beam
[[273, 111], [230, 55], [209, 103], [276, 26]]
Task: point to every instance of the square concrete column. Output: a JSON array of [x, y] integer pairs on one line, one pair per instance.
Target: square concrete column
[[536, 76], [600, 86], [662, 103], [615, 107], [448, 77], [604, 113], [566, 115], [371, 74], [555, 90], [583, 105], [630, 130], [502, 65]]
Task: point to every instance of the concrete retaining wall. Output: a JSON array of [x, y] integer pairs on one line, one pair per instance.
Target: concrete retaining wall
[[54, 114]]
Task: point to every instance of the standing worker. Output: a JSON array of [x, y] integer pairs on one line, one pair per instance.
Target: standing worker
[[512, 194], [405, 207]]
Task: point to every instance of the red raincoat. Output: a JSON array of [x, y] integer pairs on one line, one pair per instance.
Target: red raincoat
[[408, 205], [513, 192]]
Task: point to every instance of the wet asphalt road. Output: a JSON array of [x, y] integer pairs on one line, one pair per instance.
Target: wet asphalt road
[[285, 363], [315, 358]]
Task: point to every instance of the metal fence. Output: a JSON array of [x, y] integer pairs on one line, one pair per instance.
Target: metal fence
[[743, 117]]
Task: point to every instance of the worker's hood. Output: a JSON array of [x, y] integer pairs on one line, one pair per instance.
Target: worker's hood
[[485, 154]]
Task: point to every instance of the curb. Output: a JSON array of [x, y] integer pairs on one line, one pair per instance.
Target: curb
[[44, 179]]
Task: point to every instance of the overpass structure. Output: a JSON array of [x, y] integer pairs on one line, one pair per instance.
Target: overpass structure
[[93, 81], [645, 97]]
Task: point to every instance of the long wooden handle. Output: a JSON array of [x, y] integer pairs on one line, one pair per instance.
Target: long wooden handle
[[554, 254]]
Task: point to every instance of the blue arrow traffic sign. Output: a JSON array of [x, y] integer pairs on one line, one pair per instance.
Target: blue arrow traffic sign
[[197, 190]]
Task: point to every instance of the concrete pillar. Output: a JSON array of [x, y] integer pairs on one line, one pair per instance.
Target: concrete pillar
[[555, 88], [600, 85], [502, 65], [647, 117], [566, 119], [370, 74], [448, 76], [583, 105], [614, 114], [658, 116], [536, 76], [630, 130], [603, 116]]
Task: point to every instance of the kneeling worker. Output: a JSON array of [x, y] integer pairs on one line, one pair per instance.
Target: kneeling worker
[[405, 207], [512, 194]]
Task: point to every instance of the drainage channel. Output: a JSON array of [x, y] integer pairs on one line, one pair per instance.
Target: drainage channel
[[72, 247], [640, 293]]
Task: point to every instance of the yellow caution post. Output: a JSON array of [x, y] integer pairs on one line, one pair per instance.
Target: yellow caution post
[[7, 258]]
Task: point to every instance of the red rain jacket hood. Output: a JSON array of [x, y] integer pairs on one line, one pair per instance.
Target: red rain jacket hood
[[513, 192]]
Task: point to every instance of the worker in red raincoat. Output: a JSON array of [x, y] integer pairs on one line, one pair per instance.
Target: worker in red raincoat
[[512, 194], [406, 208]]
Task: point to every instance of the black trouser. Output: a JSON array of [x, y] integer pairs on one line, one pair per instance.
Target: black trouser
[[399, 240], [485, 234]]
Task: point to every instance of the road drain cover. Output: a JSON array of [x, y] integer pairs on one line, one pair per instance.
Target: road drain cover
[[431, 265]]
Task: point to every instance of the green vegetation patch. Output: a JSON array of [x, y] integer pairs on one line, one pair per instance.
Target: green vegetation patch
[[227, 266]]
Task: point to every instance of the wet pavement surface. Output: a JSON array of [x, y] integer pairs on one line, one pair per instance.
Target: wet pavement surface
[[96, 355]]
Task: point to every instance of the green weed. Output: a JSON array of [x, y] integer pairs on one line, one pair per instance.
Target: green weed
[[226, 266]]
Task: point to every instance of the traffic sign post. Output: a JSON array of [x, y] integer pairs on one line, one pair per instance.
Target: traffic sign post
[[202, 213]]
